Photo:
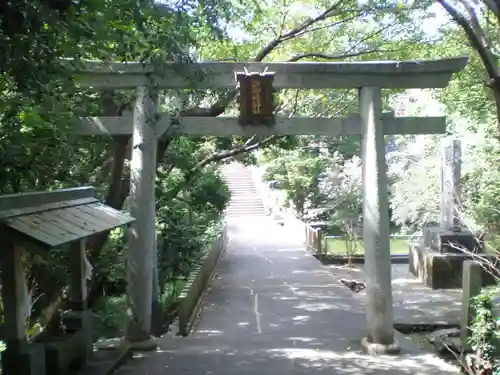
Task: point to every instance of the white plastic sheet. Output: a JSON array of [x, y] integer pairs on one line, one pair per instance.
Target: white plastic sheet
[[88, 271], [27, 301]]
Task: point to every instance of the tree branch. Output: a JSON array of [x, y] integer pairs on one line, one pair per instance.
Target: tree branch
[[269, 47], [493, 6], [190, 176], [322, 27], [220, 106], [477, 42], [335, 57]]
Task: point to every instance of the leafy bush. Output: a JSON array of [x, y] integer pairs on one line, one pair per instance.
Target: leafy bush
[[110, 317], [485, 338]]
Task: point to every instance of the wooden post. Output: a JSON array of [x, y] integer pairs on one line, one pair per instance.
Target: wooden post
[[13, 284], [475, 277], [472, 283], [379, 314], [318, 242], [142, 208], [16, 358], [78, 280], [79, 318]]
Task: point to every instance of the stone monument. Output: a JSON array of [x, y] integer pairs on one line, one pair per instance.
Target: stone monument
[[437, 258]]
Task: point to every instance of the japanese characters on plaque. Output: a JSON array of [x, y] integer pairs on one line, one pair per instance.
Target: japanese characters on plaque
[[256, 98]]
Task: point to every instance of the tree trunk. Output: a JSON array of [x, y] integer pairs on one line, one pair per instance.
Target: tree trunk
[[496, 94]]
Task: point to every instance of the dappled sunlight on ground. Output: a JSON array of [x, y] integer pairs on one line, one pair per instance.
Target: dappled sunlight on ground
[[273, 309], [414, 303], [291, 355]]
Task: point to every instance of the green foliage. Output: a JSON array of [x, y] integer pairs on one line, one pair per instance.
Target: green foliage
[[485, 338], [110, 317], [39, 101], [342, 189], [209, 193], [296, 172], [184, 227]]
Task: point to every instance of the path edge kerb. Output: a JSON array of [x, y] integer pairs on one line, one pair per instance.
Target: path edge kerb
[[192, 296]]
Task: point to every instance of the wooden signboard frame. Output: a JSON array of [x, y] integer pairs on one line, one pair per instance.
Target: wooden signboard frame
[[256, 98]]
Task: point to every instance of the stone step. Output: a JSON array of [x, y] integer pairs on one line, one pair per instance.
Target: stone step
[[246, 203], [255, 209], [246, 206], [240, 184], [237, 175], [242, 212], [245, 199], [245, 209], [246, 196], [236, 171]]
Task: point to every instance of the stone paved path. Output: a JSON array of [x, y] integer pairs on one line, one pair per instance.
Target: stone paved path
[[273, 309], [413, 302]]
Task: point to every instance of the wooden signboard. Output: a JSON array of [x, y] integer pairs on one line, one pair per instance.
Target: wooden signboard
[[256, 98]]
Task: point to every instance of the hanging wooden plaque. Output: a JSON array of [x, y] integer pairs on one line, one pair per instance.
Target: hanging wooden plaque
[[256, 98]]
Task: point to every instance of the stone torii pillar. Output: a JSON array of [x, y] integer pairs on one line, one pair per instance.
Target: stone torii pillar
[[379, 312], [142, 234], [145, 130]]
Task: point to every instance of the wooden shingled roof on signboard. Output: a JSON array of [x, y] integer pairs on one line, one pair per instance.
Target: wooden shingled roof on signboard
[[59, 222]]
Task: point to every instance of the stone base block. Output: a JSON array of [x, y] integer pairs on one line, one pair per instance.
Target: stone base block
[[144, 346], [436, 270], [23, 359], [380, 349], [445, 241], [80, 321], [77, 320], [69, 352]]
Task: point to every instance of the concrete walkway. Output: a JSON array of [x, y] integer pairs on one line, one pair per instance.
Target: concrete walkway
[[413, 302], [273, 309]]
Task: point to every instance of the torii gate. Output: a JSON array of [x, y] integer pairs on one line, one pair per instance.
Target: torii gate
[[370, 123]]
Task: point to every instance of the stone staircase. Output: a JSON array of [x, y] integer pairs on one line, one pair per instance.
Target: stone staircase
[[245, 199]]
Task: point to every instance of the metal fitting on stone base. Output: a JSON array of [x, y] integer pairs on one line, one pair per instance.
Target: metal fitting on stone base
[[380, 349]]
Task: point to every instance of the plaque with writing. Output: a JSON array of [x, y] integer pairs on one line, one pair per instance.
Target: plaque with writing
[[256, 98]]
